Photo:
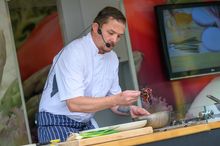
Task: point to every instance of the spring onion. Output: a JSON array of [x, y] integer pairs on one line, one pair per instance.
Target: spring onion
[[96, 133]]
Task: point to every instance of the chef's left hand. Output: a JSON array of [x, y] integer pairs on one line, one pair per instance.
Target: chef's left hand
[[136, 111]]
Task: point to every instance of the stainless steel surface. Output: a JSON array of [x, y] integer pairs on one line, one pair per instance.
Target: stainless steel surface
[[217, 106], [180, 125], [216, 100]]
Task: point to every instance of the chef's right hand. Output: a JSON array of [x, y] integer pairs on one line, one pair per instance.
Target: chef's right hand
[[127, 97]]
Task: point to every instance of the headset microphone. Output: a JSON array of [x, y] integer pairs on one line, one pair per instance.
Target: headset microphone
[[106, 44]]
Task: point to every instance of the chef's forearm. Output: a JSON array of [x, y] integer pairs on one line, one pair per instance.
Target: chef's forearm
[[90, 104]]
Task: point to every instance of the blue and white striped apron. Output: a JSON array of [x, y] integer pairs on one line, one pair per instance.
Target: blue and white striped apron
[[52, 126]]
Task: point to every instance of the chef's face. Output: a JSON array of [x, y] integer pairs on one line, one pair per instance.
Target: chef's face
[[111, 32]]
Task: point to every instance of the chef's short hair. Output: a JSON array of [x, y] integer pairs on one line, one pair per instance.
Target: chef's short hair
[[109, 12]]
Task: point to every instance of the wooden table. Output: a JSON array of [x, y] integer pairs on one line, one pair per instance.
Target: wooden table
[[148, 138]]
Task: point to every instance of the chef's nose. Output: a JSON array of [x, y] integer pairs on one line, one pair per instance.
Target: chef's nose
[[115, 38]]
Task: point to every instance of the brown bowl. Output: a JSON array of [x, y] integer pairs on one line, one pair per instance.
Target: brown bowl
[[157, 120]]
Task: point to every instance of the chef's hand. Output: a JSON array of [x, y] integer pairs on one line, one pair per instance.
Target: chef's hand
[[136, 111], [127, 97]]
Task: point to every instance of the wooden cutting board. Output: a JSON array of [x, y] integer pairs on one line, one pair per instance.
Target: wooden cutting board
[[107, 138]]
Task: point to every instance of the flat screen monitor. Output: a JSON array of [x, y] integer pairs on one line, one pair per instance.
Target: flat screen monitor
[[190, 38]]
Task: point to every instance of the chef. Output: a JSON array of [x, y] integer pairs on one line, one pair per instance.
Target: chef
[[84, 79]]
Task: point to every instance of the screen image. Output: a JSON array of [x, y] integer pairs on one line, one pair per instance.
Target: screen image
[[190, 35]]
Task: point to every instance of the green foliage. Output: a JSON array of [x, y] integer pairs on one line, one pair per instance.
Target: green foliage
[[25, 15], [11, 98]]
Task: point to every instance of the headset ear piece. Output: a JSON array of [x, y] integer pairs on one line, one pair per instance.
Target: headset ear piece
[[99, 31]]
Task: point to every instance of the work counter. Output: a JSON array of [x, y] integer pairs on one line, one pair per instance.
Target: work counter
[[207, 134]]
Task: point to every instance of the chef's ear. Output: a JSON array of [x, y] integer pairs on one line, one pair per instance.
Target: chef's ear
[[95, 27]]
